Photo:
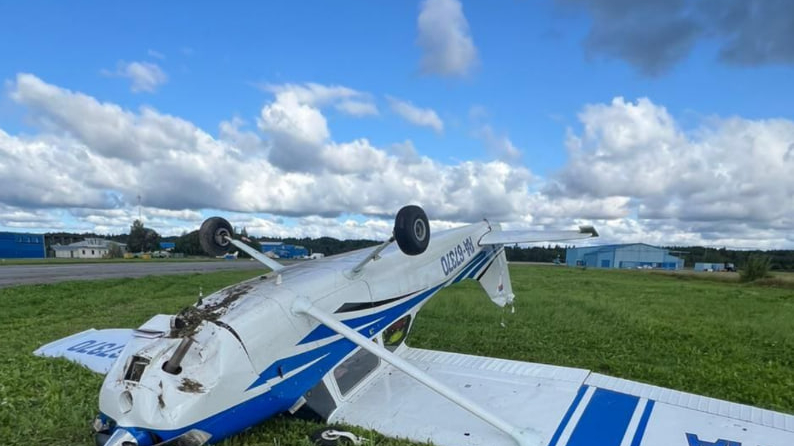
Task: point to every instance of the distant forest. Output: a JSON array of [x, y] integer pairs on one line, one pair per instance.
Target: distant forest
[[781, 260]]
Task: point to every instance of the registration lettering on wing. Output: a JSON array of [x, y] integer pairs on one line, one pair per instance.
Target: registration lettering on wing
[[98, 348], [457, 256]]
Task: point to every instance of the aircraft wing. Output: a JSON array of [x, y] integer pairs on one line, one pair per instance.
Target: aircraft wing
[[564, 406], [95, 349], [99, 349], [511, 237]]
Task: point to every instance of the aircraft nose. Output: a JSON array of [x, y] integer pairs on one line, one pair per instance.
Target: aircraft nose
[[136, 437], [123, 437]]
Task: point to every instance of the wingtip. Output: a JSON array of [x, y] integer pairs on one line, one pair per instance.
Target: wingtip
[[588, 230]]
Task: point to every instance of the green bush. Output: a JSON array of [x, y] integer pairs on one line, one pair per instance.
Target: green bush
[[757, 268]]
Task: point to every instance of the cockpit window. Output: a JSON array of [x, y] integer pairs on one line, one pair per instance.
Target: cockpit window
[[396, 333], [354, 369]]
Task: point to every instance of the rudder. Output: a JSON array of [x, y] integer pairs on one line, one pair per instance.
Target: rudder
[[495, 279]]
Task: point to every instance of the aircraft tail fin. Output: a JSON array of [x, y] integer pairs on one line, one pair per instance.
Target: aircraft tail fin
[[495, 279]]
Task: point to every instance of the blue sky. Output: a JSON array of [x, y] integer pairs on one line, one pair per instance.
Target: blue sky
[[485, 87]]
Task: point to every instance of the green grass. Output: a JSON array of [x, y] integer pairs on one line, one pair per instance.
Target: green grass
[[726, 340]]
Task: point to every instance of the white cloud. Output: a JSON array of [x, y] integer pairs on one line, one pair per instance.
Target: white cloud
[[357, 108], [425, 117], [297, 127], [29, 219], [444, 37], [498, 145], [145, 76], [106, 160], [632, 171], [117, 221], [290, 116], [344, 99], [726, 171]]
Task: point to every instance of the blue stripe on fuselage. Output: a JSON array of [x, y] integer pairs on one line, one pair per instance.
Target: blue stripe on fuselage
[[475, 262], [284, 393], [490, 257], [378, 321], [322, 332]]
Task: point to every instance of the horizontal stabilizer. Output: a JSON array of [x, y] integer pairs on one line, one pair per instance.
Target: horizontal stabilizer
[[511, 237]]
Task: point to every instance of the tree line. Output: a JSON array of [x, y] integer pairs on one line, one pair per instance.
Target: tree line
[[779, 259], [143, 239]]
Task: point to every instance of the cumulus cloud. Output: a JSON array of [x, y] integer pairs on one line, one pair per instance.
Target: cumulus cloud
[[426, 117], [445, 39], [344, 99], [498, 145], [29, 219], [632, 171], [145, 76], [297, 127], [105, 161], [117, 221], [654, 35], [728, 174]]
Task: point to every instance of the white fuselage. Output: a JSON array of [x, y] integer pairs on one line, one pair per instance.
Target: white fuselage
[[253, 357]]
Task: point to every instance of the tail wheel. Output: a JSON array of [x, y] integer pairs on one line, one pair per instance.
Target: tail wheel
[[412, 230], [212, 236]]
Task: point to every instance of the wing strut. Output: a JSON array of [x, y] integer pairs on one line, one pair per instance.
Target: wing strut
[[261, 258], [372, 256], [522, 437]]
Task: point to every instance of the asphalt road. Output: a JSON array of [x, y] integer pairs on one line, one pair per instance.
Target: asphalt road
[[28, 274]]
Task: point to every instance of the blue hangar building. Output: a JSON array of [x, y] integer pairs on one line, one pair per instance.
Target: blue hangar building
[[633, 255], [282, 250], [17, 245]]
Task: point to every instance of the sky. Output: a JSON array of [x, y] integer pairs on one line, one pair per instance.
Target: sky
[[663, 121]]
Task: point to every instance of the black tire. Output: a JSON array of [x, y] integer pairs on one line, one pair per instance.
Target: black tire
[[211, 236], [318, 439], [412, 230]]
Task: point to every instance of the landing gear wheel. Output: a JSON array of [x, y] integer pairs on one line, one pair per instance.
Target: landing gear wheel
[[412, 230], [334, 436], [212, 236]]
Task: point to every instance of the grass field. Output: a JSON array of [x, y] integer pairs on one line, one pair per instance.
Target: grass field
[[722, 339]]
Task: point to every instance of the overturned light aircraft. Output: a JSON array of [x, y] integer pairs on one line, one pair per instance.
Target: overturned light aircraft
[[327, 338]]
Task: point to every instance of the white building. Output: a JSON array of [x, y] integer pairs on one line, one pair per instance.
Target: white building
[[90, 248]]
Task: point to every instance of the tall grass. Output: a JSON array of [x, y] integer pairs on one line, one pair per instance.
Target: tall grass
[[757, 267], [727, 340]]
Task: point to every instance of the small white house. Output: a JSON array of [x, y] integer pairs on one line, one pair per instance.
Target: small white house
[[90, 248]]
